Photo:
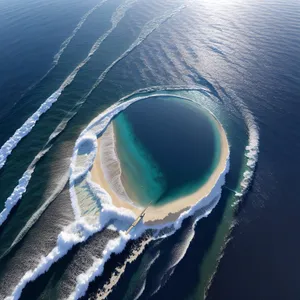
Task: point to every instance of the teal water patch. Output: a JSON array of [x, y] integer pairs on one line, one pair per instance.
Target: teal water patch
[[141, 176], [168, 148]]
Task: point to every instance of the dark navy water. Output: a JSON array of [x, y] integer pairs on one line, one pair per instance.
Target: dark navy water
[[246, 53], [181, 139]]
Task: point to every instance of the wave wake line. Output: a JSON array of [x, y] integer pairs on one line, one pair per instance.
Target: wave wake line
[[108, 287], [118, 245], [146, 31], [20, 189], [79, 231], [7, 148], [252, 149], [33, 219], [251, 152], [63, 47], [13, 141]]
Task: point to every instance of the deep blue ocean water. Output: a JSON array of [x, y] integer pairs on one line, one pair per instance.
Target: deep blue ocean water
[[245, 51]]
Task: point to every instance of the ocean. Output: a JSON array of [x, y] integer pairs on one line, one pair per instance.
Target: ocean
[[62, 63]]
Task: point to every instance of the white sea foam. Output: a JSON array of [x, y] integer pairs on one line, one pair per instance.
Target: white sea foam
[[108, 287], [252, 149], [125, 216], [80, 230], [146, 31], [63, 47], [20, 189], [67, 41], [85, 155], [16, 195], [39, 212], [12, 142], [9, 145], [114, 246]]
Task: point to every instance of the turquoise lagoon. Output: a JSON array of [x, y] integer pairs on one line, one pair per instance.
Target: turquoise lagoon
[[167, 148]]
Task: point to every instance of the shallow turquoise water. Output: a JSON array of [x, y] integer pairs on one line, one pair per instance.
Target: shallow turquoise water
[[159, 172], [142, 177]]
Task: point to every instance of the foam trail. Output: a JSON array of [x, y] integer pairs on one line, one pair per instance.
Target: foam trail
[[114, 246], [156, 88], [20, 189], [38, 213], [108, 287], [62, 48], [141, 291], [13, 141], [65, 44], [146, 31], [252, 149], [75, 233], [80, 230], [16, 195]]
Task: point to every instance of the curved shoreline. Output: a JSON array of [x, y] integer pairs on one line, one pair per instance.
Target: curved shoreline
[[168, 212]]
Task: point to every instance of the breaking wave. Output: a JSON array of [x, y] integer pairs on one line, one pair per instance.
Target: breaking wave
[[251, 151], [63, 47], [7, 148], [81, 230], [13, 141], [67, 41], [16, 195], [96, 128], [21, 188]]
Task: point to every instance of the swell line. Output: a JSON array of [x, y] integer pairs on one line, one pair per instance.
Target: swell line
[[20, 189], [20, 133], [146, 31], [80, 231], [35, 217], [62, 48]]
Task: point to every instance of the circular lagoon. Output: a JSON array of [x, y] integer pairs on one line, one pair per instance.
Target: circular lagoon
[[161, 153]]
